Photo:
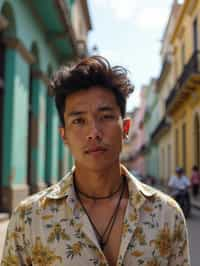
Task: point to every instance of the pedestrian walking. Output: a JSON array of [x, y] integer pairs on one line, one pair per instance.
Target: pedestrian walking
[[195, 180]]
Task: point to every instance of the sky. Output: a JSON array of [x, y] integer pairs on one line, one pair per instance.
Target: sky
[[129, 33]]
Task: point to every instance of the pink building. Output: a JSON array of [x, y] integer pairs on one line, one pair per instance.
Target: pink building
[[137, 136]]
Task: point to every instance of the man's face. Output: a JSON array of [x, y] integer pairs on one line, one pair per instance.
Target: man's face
[[94, 128]]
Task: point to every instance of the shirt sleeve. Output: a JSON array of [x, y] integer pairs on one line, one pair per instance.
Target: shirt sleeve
[[187, 181], [171, 181], [180, 255], [16, 246]]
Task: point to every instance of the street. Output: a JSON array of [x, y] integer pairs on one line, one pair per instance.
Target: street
[[193, 227], [194, 236]]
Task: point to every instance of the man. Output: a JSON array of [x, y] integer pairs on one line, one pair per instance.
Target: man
[[98, 214], [179, 185], [178, 182]]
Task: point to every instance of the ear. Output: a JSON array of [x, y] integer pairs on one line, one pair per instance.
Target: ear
[[63, 135], [126, 126]]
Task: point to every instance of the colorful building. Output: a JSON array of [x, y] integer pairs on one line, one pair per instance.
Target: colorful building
[[151, 119], [183, 101], [176, 104], [36, 37], [162, 134], [137, 138]]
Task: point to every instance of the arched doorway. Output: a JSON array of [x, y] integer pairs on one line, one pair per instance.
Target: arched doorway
[[196, 140]]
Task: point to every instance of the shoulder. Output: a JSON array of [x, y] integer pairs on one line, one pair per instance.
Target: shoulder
[[32, 202], [37, 202], [167, 205]]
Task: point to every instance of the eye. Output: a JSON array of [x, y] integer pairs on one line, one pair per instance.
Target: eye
[[78, 121], [108, 117]]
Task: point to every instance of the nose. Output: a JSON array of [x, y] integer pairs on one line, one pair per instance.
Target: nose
[[94, 132]]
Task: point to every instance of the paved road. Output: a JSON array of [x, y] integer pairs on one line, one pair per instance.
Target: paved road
[[194, 236]]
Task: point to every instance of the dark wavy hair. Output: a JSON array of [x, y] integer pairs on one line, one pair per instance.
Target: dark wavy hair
[[89, 72]]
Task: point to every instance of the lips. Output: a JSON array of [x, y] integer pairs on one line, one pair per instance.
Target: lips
[[95, 150]]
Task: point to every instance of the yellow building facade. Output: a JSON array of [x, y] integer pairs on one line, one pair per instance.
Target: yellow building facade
[[163, 134], [182, 105]]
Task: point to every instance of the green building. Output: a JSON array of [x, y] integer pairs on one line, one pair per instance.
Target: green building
[[150, 123], [36, 37]]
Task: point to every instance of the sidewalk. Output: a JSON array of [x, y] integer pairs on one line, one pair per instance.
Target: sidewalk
[[195, 201]]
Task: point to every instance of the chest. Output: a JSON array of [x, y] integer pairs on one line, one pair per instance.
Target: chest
[[112, 237], [73, 241]]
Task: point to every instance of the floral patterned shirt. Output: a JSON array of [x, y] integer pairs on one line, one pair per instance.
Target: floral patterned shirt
[[51, 228]]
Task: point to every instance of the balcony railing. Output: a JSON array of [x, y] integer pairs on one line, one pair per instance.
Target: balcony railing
[[165, 67], [192, 67], [162, 126]]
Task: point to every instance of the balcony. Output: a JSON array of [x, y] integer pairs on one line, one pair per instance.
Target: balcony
[[163, 73], [186, 83], [160, 130]]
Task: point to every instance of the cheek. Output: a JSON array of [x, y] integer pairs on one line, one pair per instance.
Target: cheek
[[115, 135]]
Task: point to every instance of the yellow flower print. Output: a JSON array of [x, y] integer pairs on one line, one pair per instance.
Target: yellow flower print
[[45, 202], [178, 233], [153, 262], [10, 260], [125, 229], [58, 233], [137, 253], [24, 209], [163, 241], [75, 249], [137, 198], [148, 209], [42, 255], [139, 235], [133, 216], [47, 217]]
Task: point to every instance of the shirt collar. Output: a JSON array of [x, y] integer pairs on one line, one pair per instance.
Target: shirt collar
[[138, 191]]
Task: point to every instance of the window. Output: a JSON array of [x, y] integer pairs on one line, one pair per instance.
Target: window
[[183, 55], [197, 140], [169, 160], [184, 151], [195, 35], [176, 147]]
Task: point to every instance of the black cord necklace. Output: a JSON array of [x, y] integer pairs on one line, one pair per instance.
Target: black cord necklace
[[103, 240], [99, 198]]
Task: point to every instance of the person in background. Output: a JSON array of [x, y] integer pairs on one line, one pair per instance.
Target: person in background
[[179, 185], [195, 180], [178, 182]]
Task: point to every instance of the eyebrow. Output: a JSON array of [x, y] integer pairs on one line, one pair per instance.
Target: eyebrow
[[100, 109]]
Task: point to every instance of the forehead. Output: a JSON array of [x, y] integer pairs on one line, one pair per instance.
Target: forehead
[[92, 98]]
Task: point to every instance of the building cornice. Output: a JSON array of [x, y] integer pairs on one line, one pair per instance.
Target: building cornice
[[187, 8]]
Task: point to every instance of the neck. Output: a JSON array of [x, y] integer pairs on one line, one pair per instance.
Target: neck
[[98, 183]]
